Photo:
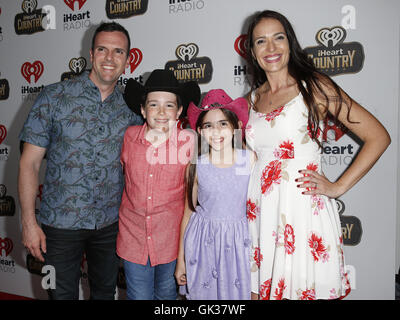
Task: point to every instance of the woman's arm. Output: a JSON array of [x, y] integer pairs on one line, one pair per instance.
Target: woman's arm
[[375, 141]]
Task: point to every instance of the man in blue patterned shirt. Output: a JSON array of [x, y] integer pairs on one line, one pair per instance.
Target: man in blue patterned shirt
[[79, 125]]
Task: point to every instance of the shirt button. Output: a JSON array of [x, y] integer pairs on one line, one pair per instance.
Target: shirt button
[[149, 198], [148, 238], [151, 175], [148, 217]]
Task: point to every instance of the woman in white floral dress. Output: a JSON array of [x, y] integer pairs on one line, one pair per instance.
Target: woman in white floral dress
[[293, 220]]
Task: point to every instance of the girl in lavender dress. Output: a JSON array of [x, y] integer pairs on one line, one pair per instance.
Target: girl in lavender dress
[[214, 252]]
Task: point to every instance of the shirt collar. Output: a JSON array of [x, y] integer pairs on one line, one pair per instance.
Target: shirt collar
[[88, 83]]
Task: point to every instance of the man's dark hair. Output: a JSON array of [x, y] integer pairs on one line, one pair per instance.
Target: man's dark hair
[[110, 27]]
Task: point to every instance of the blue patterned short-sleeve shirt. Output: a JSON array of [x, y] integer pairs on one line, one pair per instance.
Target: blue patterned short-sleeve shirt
[[83, 137]]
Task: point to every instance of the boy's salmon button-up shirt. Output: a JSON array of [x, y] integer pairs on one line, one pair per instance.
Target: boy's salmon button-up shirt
[[153, 199]]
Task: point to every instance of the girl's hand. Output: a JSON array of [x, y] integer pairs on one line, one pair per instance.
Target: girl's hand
[[180, 273], [315, 183]]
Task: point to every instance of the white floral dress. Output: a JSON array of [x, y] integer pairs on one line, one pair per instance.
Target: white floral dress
[[297, 247]]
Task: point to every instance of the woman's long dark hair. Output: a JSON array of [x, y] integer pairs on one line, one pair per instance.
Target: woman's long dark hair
[[234, 122], [301, 69]]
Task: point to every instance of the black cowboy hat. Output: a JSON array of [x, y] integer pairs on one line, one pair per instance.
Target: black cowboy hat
[[161, 80]]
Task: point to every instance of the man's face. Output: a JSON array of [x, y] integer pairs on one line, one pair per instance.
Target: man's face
[[109, 57]]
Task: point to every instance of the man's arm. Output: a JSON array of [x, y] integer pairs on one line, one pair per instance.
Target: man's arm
[[33, 237]]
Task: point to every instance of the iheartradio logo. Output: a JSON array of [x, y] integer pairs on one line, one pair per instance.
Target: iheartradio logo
[[334, 131], [35, 69], [6, 245], [240, 45], [3, 133], [135, 58], [71, 3]]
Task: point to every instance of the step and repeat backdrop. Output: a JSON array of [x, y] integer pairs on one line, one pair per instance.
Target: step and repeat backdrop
[[356, 42]]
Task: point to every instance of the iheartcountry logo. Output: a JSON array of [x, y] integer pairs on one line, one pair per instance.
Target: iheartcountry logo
[[119, 9], [71, 3], [77, 66], [7, 203], [32, 69], [351, 226], [31, 20], [189, 67], [6, 246], [334, 56], [4, 89]]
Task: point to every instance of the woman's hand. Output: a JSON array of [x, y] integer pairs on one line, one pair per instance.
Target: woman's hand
[[315, 183], [180, 272]]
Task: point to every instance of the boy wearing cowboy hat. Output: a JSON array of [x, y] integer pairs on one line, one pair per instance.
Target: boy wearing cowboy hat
[[154, 157]]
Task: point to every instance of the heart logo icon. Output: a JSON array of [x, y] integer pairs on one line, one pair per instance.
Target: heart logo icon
[[240, 45], [333, 131], [77, 65], [70, 3], [135, 58], [28, 6], [334, 36], [3, 133], [35, 69], [5, 245], [187, 52]]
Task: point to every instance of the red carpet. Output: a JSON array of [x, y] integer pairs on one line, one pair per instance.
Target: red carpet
[[8, 296]]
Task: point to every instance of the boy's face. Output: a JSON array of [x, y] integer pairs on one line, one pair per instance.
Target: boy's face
[[161, 110]]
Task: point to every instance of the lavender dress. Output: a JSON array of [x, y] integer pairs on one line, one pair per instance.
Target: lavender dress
[[217, 242]]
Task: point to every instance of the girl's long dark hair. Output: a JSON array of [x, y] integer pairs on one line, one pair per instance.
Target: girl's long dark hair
[[302, 70], [234, 121]]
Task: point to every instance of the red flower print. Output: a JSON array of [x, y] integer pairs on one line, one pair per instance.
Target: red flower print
[[317, 204], [308, 295], [258, 257], [280, 289], [273, 114], [265, 290], [318, 249], [251, 210], [285, 150], [271, 174], [312, 166], [289, 239]]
